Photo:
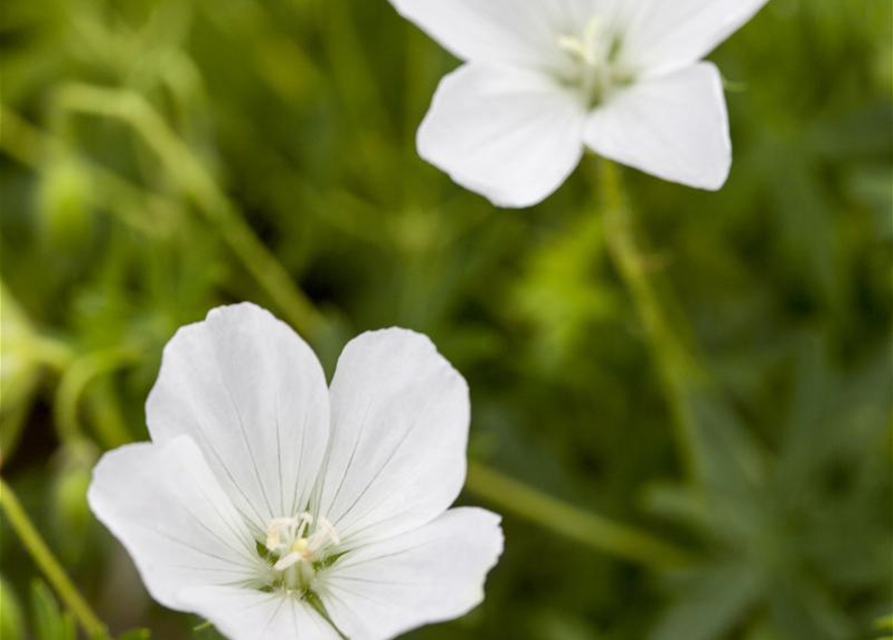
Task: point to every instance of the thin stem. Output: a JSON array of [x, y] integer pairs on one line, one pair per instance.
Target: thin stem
[[676, 364], [49, 565], [73, 385], [588, 528], [192, 177], [30, 146], [52, 352]]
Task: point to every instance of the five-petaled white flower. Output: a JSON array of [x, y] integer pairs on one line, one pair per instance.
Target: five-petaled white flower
[[279, 509], [544, 79]]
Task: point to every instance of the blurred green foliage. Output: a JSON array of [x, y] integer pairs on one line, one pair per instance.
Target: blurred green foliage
[[50, 622], [299, 117]]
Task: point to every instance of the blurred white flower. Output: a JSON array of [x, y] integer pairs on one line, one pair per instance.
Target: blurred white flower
[[277, 508], [544, 79]]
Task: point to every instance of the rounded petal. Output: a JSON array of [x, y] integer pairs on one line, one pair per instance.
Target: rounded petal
[[243, 614], [396, 458], [662, 36], [516, 32], [432, 574], [512, 136], [674, 127], [253, 396], [166, 507]]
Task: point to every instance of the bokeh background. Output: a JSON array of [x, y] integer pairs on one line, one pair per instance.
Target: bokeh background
[[161, 157]]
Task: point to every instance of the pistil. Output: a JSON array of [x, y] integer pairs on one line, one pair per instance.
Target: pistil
[[296, 553]]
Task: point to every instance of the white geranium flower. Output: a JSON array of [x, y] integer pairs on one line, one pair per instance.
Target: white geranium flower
[[279, 509], [545, 78]]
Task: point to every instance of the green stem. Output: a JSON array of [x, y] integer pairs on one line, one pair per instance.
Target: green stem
[[587, 528], [73, 385], [52, 352], [30, 146], [677, 366], [192, 177], [49, 565]]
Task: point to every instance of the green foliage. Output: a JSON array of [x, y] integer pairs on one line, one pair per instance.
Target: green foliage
[[885, 624], [12, 619], [780, 524], [50, 622], [299, 117]]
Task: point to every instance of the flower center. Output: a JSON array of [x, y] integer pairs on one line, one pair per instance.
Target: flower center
[[298, 548], [594, 56]]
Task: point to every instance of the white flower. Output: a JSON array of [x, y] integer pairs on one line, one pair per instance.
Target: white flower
[[266, 499], [545, 78]]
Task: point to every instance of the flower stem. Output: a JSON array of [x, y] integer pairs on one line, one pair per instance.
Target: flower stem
[[49, 565], [676, 364], [192, 177], [588, 528]]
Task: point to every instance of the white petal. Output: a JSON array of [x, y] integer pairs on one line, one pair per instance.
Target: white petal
[[674, 127], [242, 614], [166, 507], [662, 35], [432, 574], [518, 32], [253, 396], [512, 136], [400, 417]]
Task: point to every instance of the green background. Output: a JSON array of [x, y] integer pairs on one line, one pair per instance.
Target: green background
[[138, 136]]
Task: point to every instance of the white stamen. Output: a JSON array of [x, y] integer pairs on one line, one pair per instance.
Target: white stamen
[[306, 520], [290, 540], [595, 68], [325, 524], [574, 46], [286, 561], [274, 531], [587, 47]]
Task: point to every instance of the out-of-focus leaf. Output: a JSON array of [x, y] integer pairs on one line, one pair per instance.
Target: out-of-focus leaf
[[65, 208], [12, 620], [712, 605], [552, 625], [773, 507], [50, 622], [20, 369], [561, 295], [71, 514]]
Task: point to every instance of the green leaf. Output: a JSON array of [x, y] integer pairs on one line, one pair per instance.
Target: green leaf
[[12, 625], [50, 622], [711, 606]]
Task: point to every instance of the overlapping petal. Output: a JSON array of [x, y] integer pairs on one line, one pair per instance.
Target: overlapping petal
[[513, 136], [674, 126], [400, 417], [253, 396], [431, 574], [168, 509], [514, 32], [661, 36]]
